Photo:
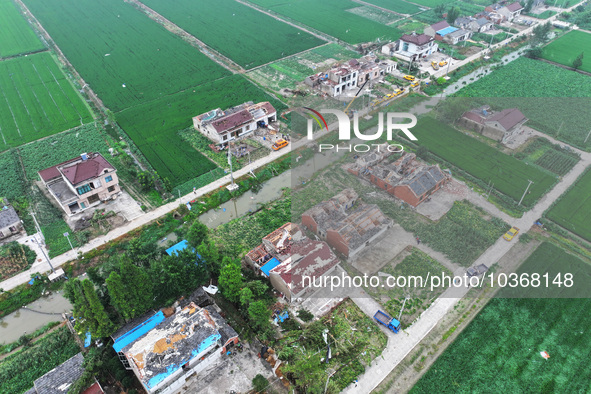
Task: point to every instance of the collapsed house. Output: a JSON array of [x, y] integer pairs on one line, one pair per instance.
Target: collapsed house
[[405, 178], [164, 351], [224, 126], [349, 75], [286, 256], [495, 125], [10, 224], [345, 223]]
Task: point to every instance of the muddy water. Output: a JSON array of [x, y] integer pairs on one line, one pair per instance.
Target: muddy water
[[248, 202], [27, 320]]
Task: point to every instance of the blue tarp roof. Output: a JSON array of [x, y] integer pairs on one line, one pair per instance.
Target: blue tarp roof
[[87, 339], [270, 265], [447, 30], [180, 246], [138, 331]]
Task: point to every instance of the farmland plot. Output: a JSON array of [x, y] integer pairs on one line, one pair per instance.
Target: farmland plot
[[125, 57], [564, 50], [573, 210], [331, 17], [154, 126], [245, 35], [508, 175], [36, 100], [399, 6], [17, 36], [499, 351]]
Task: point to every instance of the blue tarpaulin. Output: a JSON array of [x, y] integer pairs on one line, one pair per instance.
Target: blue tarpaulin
[[138, 331], [270, 265], [87, 339], [447, 30]]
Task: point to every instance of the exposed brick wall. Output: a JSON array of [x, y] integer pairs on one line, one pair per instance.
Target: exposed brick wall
[[310, 223], [336, 241]]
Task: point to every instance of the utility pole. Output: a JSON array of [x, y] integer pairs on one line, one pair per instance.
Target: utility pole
[[526, 189], [67, 235], [588, 134], [37, 226], [44, 254], [558, 132]]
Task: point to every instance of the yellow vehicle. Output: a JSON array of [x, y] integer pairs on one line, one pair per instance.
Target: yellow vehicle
[[414, 84], [280, 143], [409, 78], [389, 96], [442, 63], [397, 92], [434, 65], [511, 233]]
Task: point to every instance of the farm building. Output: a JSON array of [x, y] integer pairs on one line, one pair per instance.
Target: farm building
[[511, 11], [286, 255], [61, 378], [346, 224], [456, 36], [233, 123], [495, 125], [432, 30], [349, 75], [163, 351], [10, 224], [82, 182], [475, 25], [406, 178], [412, 47]]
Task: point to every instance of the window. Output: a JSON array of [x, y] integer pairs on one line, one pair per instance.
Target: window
[[83, 189], [108, 178], [111, 189], [82, 205]]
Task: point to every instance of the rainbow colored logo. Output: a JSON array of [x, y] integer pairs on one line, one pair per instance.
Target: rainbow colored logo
[[307, 110]]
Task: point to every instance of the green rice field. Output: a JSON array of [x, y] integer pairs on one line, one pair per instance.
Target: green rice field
[[399, 6], [17, 36], [466, 9], [331, 17], [125, 57], [509, 175], [36, 100], [245, 35], [565, 49], [154, 126], [573, 209]]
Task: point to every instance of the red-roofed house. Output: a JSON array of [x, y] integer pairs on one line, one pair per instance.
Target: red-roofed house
[[494, 125], [413, 47], [82, 182], [224, 126], [510, 11]]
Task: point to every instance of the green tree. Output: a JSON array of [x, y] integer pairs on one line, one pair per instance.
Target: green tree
[[246, 296], [90, 314], [210, 254], [452, 14], [534, 53], [146, 180], [439, 10], [259, 314], [260, 383], [540, 33], [258, 288], [131, 291], [578, 62], [197, 233], [141, 253], [308, 372], [177, 275], [528, 5], [231, 282]]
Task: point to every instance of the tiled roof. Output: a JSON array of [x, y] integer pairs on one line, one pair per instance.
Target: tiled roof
[[514, 6], [417, 39], [425, 180], [508, 118], [8, 217], [439, 25], [59, 379], [77, 170]]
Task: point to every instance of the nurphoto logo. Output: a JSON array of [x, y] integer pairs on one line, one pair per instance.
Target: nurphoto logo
[[344, 123]]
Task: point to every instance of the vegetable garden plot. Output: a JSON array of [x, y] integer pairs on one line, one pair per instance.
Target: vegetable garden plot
[[17, 36], [331, 17], [508, 175], [245, 35], [573, 209], [36, 100], [12, 183], [154, 126], [125, 57], [557, 162]]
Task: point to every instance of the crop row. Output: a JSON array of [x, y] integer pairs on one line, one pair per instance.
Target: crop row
[[125, 57], [17, 36], [557, 162], [36, 100], [399, 6], [565, 49], [508, 175], [331, 17], [245, 35], [573, 210]]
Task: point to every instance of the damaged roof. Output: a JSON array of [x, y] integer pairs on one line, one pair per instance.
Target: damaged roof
[[306, 258], [425, 180], [360, 225], [8, 217], [59, 379], [164, 349]]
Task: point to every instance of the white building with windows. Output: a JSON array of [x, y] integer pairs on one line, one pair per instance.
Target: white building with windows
[[230, 124], [413, 47]]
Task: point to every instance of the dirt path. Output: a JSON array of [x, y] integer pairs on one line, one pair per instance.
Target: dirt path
[[208, 51]]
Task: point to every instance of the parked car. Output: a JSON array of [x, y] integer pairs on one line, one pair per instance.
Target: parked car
[[477, 271], [409, 78], [511, 233], [280, 143], [442, 63]]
